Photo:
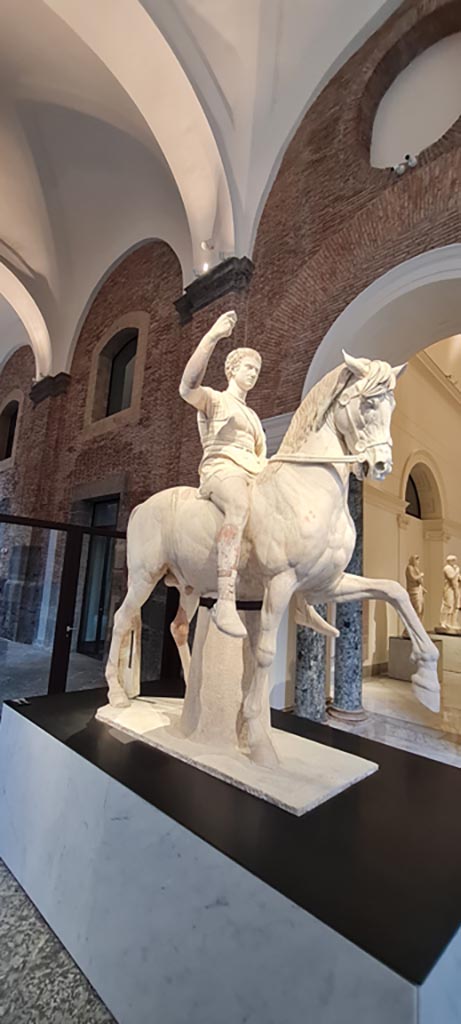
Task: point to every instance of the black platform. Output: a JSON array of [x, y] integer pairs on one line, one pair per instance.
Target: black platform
[[379, 863]]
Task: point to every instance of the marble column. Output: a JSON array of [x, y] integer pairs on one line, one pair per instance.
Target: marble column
[[311, 672], [347, 700]]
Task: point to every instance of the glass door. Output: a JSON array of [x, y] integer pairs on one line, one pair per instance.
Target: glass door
[[96, 597]]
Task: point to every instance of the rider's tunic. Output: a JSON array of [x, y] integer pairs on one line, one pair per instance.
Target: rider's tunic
[[232, 437]]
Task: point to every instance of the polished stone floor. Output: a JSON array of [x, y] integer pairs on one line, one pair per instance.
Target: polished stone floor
[[39, 981], [24, 671], [395, 717]]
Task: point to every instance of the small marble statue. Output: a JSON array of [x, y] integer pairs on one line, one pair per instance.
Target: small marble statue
[[291, 534], [414, 580], [234, 452], [451, 595]]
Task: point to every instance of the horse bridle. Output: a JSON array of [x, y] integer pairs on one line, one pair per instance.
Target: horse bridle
[[359, 456]]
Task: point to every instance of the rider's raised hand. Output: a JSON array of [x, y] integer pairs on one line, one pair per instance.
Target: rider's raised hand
[[224, 325]]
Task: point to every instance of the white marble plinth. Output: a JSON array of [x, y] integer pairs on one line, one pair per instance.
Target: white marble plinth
[[450, 644], [400, 664], [308, 774], [169, 929]]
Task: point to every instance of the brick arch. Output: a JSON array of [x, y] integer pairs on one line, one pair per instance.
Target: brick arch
[[332, 223]]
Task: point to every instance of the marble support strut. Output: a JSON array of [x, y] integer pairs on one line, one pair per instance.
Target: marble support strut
[[311, 672], [311, 647], [347, 701]]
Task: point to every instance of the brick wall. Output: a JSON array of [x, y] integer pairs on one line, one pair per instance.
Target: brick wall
[[332, 223]]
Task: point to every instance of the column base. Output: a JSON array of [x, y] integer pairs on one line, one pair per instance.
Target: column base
[[359, 715]]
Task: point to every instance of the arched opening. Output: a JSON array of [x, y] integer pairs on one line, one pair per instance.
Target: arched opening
[[412, 499], [412, 313], [8, 425]]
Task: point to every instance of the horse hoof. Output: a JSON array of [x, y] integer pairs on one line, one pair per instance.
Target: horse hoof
[[263, 754], [118, 699], [429, 698], [226, 618], [426, 687]]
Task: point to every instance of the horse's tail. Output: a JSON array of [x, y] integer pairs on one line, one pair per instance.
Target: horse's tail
[[308, 616]]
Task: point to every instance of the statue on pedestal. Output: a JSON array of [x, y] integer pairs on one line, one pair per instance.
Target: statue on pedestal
[[451, 596], [260, 532], [414, 581]]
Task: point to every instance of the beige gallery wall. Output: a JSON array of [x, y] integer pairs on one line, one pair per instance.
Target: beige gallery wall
[[426, 431]]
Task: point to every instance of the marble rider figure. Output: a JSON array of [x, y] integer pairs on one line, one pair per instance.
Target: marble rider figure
[[234, 452]]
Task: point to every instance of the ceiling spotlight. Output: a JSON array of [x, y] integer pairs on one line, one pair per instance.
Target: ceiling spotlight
[[400, 168], [207, 245], [205, 267], [410, 160]]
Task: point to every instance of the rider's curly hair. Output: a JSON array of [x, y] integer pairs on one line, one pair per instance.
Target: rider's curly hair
[[235, 358]]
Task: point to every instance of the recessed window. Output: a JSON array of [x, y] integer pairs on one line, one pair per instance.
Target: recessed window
[[121, 377], [8, 422], [115, 374], [412, 498]]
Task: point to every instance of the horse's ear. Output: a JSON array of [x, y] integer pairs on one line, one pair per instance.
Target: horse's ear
[[398, 370], [359, 367]]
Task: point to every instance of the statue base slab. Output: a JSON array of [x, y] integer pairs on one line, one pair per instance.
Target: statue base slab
[[447, 630], [401, 665], [309, 773]]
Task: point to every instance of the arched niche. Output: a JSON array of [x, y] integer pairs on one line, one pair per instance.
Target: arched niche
[[429, 485], [426, 537]]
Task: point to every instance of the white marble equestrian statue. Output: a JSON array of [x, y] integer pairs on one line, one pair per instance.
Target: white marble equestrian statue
[[298, 539]]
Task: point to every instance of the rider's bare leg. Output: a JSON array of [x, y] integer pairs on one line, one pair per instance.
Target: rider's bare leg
[[231, 497]]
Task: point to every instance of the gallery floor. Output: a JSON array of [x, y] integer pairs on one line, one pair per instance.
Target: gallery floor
[[39, 981], [395, 717]]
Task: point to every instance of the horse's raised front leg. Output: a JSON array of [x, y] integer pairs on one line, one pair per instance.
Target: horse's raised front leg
[[424, 653], [256, 712]]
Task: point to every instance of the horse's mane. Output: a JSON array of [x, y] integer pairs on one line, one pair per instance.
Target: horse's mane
[[310, 415]]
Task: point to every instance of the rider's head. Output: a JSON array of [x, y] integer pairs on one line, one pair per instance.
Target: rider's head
[[243, 365]]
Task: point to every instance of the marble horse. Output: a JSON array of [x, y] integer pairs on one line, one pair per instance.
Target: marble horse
[[298, 540]]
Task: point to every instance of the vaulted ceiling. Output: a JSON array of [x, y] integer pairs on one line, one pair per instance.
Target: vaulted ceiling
[[123, 120]]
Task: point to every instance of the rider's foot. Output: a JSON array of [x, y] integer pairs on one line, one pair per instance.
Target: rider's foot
[[225, 616]]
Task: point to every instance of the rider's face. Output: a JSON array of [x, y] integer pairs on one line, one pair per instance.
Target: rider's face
[[247, 373]]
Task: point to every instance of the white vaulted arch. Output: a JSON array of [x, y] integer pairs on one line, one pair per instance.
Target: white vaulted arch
[[407, 309], [137, 54], [20, 300]]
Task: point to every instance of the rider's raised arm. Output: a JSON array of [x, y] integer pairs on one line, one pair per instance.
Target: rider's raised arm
[[190, 387]]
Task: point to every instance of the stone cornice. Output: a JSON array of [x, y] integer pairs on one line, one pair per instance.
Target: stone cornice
[[441, 529], [383, 499], [233, 274], [49, 387], [437, 377]]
